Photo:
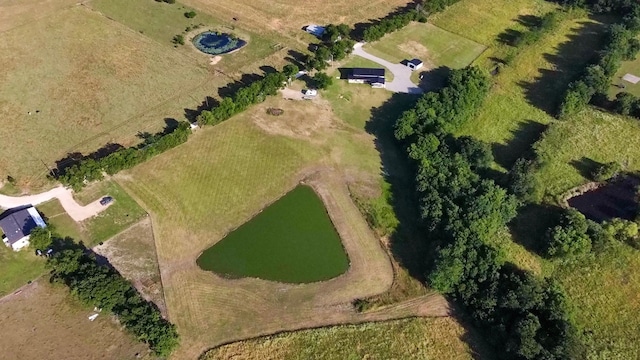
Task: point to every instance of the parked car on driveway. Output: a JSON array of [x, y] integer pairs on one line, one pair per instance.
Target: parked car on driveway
[[106, 200]]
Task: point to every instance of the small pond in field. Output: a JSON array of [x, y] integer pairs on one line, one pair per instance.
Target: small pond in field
[[293, 240], [616, 199], [215, 43]]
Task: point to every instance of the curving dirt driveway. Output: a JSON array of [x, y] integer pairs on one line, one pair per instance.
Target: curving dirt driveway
[[75, 210], [401, 74]]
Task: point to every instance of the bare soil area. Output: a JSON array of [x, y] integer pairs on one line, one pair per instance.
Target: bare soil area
[[133, 254]]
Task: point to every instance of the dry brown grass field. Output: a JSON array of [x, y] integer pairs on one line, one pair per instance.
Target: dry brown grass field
[[14, 13], [289, 16], [427, 339], [86, 80], [243, 165], [45, 322]]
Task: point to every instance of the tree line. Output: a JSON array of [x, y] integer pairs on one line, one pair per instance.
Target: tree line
[[621, 44], [97, 285], [526, 317]]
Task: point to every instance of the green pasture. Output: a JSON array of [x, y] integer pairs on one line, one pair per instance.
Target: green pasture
[[292, 240], [526, 92], [121, 214], [569, 147]]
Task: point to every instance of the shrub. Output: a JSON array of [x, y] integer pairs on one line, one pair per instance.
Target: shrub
[[521, 180], [568, 238], [190, 14], [178, 39], [625, 103], [606, 171], [290, 70], [322, 80]]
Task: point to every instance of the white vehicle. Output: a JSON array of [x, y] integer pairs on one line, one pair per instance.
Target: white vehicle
[[309, 93]]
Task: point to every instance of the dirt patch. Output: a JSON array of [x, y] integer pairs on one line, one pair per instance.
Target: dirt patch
[[303, 119], [45, 322], [133, 254], [214, 60], [418, 50]]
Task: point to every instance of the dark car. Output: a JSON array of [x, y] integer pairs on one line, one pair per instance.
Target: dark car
[[106, 200]]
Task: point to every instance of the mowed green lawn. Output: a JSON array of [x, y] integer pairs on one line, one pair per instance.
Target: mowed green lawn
[[431, 44], [17, 268], [628, 67], [87, 81], [430, 338]]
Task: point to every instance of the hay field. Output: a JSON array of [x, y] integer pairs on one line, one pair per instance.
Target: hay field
[[90, 78], [440, 338], [244, 164], [46, 322], [14, 13], [288, 16]]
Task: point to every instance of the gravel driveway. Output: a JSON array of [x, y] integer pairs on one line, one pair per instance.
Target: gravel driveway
[[75, 210], [401, 74]]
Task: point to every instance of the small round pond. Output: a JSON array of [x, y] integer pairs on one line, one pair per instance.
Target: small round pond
[[292, 241], [215, 43]]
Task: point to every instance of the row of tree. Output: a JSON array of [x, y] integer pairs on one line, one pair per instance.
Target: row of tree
[[102, 287], [621, 44], [93, 169], [246, 96], [525, 316], [338, 40]]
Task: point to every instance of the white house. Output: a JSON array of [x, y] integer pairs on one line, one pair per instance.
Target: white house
[[415, 64], [17, 226]]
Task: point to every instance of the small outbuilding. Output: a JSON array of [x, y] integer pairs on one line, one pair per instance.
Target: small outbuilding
[[315, 30], [415, 64], [371, 76], [17, 226]]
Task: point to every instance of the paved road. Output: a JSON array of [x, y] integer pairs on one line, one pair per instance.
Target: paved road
[[75, 210], [401, 74]]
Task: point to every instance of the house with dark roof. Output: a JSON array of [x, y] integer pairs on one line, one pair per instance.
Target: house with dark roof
[[17, 224], [373, 77]]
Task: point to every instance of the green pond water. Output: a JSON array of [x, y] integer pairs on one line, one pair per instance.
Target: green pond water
[[293, 241]]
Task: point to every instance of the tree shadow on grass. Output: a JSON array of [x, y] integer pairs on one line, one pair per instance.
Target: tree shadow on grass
[[530, 225], [434, 79], [585, 166], [527, 133], [409, 244], [546, 90]]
